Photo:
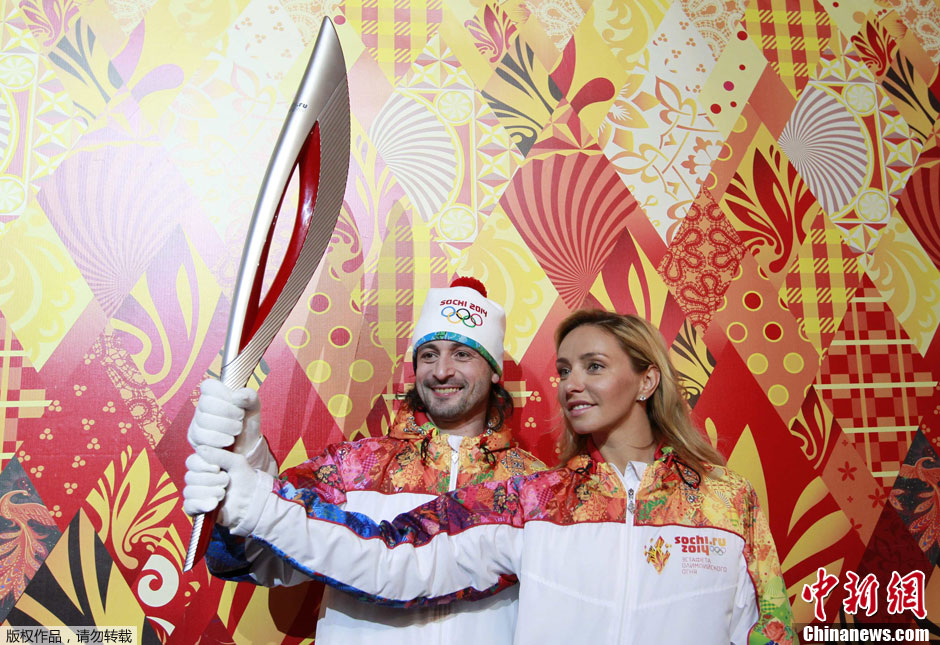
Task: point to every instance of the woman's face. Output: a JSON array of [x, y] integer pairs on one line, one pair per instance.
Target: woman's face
[[598, 387]]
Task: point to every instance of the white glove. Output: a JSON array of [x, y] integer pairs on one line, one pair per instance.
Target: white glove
[[214, 475], [225, 417], [205, 485]]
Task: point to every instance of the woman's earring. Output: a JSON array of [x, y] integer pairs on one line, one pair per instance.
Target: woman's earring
[[642, 397]]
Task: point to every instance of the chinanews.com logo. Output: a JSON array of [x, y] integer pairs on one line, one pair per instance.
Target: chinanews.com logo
[[461, 312], [903, 595], [880, 633]]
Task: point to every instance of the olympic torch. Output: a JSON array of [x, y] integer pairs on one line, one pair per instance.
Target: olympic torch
[[314, 141]]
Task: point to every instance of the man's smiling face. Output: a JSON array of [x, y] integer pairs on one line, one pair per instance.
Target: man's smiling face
[[454, 382]]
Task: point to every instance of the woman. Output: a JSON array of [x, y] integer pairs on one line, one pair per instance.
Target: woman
[[641, 537]]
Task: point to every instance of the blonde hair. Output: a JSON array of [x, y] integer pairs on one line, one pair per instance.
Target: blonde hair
[[666, 407]]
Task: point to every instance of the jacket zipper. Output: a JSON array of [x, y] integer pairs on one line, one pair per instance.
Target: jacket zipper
[[627, 550], [445, 634], [454, 468]]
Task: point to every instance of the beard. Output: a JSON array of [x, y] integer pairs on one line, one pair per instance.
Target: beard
[[468, 401]]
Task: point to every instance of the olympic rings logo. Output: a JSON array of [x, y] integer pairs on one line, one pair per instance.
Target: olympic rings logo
[[457, 316]]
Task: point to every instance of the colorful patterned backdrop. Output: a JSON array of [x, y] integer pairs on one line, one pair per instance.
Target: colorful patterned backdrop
[[758, 177]]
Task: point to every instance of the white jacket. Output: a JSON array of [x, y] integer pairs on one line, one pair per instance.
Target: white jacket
[[382, 477], [652, 557]]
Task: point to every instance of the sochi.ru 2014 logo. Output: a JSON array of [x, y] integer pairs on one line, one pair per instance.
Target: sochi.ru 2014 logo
[[702, 544], [657, 554], [458, 315]]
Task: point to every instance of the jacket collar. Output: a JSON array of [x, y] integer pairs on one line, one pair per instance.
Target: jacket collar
[[592, 457], [666, 470], [414, 425]]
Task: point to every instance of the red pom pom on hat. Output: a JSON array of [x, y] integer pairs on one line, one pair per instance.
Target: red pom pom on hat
[[473, 283]]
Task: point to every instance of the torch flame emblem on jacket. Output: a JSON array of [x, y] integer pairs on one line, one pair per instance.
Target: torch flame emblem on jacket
[[657, 554]]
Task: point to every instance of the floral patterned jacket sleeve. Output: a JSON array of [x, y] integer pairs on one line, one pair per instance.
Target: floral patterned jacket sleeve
[[231, 557], [322, 474], [775, 618], [463, 545]]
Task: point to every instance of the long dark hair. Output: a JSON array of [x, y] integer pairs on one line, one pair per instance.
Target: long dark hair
[[499, 407], [666, 408]]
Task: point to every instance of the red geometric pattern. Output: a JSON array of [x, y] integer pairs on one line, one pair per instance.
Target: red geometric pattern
[[876, 383], [876, 47], [794, 520], [791, 33], [84, 410], [534, 418], [919, 205], [781, 360], [552, 201], [394, 33], [930, 421], [839, 465], [296, 411], [130, 383], [138, 515], [770, 206], [636, 253], [890, 143], [737, 145], [821, 283], [702, 259], [17, 400], [388, 293]]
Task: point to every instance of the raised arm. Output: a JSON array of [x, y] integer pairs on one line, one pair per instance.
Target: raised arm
[[466, 544], [243, 559], [231, 418]]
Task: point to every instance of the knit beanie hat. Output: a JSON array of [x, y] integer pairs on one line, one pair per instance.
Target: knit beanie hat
[[462, 313]]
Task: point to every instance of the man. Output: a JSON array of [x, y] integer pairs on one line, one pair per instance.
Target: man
[[449, 432]]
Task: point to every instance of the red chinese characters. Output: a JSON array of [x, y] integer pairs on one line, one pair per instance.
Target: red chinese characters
[[817, 592], [903, 593], [861, 595], [907, 593]]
